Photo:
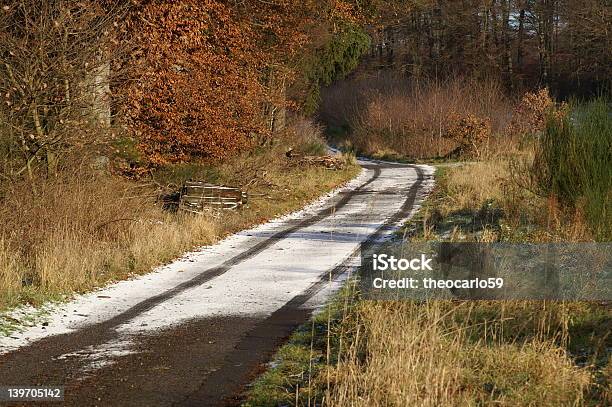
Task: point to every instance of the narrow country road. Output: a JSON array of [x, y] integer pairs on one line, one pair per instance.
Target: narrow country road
[[196, 332]]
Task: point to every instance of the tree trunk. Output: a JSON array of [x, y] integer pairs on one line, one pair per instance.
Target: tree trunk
[[101, 94], [521, 36], [275, 111], [546, 34], [507, 43], [494, 30], [485, 25], [437, 34]]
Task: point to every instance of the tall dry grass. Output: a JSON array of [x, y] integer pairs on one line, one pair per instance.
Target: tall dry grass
[[83, 229], [454, 354], [392, 115], [470, 186], [497, 184], [77, 232]]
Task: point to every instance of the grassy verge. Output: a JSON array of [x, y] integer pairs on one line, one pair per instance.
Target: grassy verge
[[79, 232]]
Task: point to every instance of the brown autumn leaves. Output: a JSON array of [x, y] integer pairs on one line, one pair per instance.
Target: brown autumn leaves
[[173, 81], [208, 69]]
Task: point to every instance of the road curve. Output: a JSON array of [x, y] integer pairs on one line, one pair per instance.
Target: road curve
[[195, 332]]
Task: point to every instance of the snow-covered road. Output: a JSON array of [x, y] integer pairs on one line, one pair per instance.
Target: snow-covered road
[[289, 265]]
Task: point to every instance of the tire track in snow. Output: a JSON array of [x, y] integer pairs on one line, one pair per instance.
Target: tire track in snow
[[255, 328]]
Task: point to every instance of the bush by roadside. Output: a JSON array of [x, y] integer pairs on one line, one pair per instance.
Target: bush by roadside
[[573, 163]]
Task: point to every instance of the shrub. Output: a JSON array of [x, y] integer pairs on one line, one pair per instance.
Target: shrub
[[306, 137], [410, 118], [470, 133], [55, 79], [573, 159], [531, 114]]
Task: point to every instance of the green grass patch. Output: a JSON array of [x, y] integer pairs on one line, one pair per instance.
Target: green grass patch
[[294, 375]]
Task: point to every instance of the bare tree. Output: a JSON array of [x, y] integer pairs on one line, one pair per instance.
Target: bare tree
[[55, 76], [521, 33], [507, 39]]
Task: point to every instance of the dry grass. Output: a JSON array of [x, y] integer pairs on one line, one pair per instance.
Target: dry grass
[[470, 185], [391, 116], [83, 229], [423, 355], [499, 183], [75, 234]]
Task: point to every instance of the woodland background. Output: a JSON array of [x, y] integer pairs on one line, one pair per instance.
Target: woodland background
[[153, 82]]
